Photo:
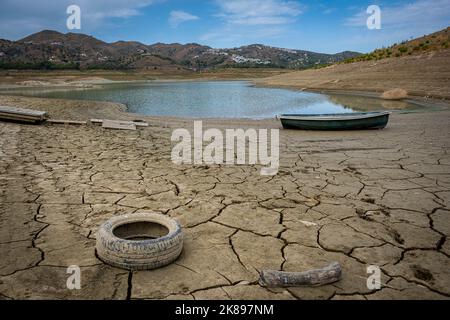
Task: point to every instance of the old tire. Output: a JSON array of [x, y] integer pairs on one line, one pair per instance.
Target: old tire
[[129, 241]]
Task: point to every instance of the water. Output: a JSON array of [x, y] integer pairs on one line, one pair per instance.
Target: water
[[222, 99]]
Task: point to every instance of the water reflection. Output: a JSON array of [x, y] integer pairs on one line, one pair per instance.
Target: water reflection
[[216, 99]]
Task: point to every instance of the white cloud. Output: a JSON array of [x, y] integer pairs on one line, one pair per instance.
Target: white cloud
[[329, 11], [252, 21], [258, 12], [178, 17], [411, 14], [230, 37], [51, 14], [399, 22], [113, 8]]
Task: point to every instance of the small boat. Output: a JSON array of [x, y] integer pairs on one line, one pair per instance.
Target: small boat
[[339, 121]]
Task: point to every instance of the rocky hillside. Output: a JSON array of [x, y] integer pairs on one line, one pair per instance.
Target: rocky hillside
[[51, 49]]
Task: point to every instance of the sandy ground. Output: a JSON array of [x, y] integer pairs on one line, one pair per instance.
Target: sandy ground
[[421, 75], [89, 79], [360, 198]]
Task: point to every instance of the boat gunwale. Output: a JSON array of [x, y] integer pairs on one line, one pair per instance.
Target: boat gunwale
[[335, 117]]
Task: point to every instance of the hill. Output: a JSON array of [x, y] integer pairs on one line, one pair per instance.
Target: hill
[[428, 43], [422, 69], [55, 50]]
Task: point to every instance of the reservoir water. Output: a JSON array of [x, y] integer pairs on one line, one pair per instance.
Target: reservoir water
[[216, 99]]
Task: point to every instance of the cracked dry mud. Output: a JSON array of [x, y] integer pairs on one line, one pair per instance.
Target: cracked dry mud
[[360, 198]]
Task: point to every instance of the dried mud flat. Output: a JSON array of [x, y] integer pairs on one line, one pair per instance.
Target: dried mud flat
[[360, 198]]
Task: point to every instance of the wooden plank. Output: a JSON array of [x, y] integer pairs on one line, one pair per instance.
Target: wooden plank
[[111, 124], [24, 112], [15, 117], [75, 122], [136, 123], [21, 115], [18, 117], [140, 124]]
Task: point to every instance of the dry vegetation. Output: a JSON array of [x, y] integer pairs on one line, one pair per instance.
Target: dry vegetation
[[428, 43]]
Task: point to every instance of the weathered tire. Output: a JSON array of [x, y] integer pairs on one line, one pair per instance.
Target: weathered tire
[[120, 251]]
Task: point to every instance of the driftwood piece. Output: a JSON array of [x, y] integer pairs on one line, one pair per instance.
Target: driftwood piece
[[317, 277], [136, 123], [72, 122], [112, 124], [19, 114]]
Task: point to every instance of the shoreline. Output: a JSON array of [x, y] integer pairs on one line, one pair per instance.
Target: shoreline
[[424, 103]]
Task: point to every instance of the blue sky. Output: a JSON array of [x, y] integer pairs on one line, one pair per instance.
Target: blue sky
[[322, 26]]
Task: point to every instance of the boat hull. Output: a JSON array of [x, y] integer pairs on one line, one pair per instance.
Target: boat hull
[[365, 122]]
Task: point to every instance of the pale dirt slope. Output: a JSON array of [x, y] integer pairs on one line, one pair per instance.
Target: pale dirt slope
[[422, 75]]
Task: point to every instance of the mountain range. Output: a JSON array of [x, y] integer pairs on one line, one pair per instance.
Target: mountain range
[[51, 49]]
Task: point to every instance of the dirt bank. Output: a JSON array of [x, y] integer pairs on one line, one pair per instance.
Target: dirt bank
[[426, 75]]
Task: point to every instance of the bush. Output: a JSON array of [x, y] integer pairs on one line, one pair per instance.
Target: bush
[[403, 49]]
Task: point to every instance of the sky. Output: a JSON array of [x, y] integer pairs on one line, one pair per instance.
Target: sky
[[320, 26]]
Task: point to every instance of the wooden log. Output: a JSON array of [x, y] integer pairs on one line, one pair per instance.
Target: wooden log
[[22, 115], [136, 123], [313, 278], [13, 117], [75, 122], [40, 115], [110, 124]]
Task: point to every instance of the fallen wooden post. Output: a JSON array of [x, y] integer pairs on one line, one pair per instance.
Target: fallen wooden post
[[75, 122], [313, 278], [136, 123], [119, 125], [19, 114]]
